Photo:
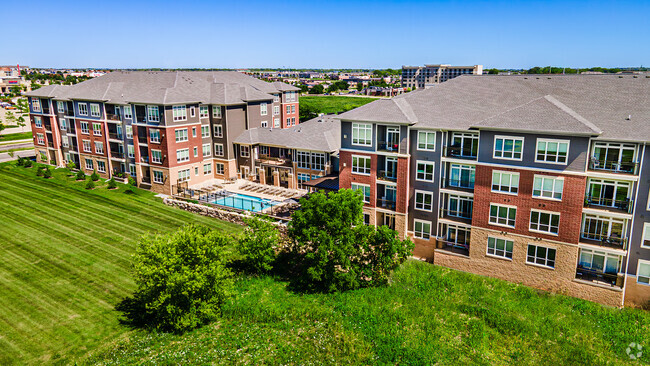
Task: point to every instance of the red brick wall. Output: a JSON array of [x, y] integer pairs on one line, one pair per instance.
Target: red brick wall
[[570, 208], [402, 184], [286, 115], [36, 130], [90, 136], [172, 145]]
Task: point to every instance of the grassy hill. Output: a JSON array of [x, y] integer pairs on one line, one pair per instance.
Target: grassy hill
[[311, 106], [65, 259]]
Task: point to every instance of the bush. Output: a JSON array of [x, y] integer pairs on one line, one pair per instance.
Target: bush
[[80, 175], [47, 173], [182, 279], [20, 161], [39, 171], [258, 245], [90, 184], [28, 163], [132, 181], [71, 165], [53, 162], [111, 184], [94, 176], [332, 250]]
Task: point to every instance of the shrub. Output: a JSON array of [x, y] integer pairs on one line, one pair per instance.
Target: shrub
[[71, 165], [81, 175], [259, 243], [53, 162], [20, 161], [28, 163], [94, 176], [333, 250], [132, 181], [47, 173], [90, 184], [39, 171], [182, 279], [111, 184]]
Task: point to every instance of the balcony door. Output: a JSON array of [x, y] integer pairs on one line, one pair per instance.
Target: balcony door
[[616, 157], [392, 139], [391, 168], [608, 193], [599, 262], [605, 229], [461, 176], [460, 206], [458, 236], [464, 144]]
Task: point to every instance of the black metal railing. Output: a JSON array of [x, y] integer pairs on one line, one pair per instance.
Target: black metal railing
[[616, 241], [142, 139], [459, 183], [589, 274], [115, 136], [390, 175], [460, 152], [388, 146], [449, 246], [386, 203], [614, 166], [69, 112], [458, 214], [117, 155], [624, 204]]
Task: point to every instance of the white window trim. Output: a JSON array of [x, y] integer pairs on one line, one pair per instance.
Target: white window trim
[[643, 238], [540, 231], [360, 157], [179, 108], [417, 145], [356, 184], [500, 205], [638, 266], [505, 172], [514, 138], [422, 222], [160, 154], [352, 133], [568, 146], [99, 112], [487, 247], [433, 173], [79, 109], [537, 264], [215, 150], [209, 150], [415, 205], [549, 177]]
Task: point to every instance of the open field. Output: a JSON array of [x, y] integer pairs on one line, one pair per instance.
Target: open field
[[330, 104], [16, 136], [65, 266]]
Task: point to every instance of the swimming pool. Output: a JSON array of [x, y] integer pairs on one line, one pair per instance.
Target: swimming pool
[[245, 202]]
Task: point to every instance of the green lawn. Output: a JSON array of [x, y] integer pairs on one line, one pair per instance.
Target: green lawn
[[65, 261], [65, 266], [331, 104], [16, 136]]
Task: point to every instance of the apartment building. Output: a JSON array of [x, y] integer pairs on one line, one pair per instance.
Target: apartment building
[[419, 77], [540, 180], [290, 157], [163, 128]]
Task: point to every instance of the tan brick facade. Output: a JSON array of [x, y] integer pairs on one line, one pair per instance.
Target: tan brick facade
[[636, 294]]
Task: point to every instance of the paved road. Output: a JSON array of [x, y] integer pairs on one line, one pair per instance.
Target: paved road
[[20, 145], [23, 154]]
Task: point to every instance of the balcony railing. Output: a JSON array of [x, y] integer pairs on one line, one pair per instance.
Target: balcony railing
[[144, 159], [142, 139], [460, 152], [387, 175], [589, 274], [458, 248], [69, 112], [625, 204], [115, 136], [614, 241], [386, 203], [112, 117], [459, 183], [614, 166], [388, 147], [456, 214], [117, 155]]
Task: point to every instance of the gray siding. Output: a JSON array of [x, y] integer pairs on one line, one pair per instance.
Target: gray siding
[[346, 138], [433, 156], [641, 216]]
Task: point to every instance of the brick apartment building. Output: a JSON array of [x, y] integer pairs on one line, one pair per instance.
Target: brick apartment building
[[541, 180], [160, 127], [419, 77]]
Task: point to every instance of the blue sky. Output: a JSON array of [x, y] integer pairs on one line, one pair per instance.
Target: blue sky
[[325, 34]]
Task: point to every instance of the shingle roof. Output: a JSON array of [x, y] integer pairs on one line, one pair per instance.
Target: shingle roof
[[168, 87], [577, 104], [319, 134]]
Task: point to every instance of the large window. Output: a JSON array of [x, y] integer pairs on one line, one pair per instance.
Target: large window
[[606, 229], [462, 175], [154, 135], [643, 272], [204, 111], [317, 161], [182, 155], [180, 113], [542, 256], [614, 157], [156, 156], [245, 151], [206, 150], [552, 151], [503, 215], [152, 113], [548, 187], [362, 134], [424, 171], [599, 261], [508, 147], [426, 141], [181, 135], [183, 175], [458, 236], [423, 201], [460, 206], [218, 149], [505, 182], [83, 109], [364, 188], [464, 145], [361, 165], [545, 222], [302, 159], [500, 247], [263, 109], [94, 110], [422, 229]]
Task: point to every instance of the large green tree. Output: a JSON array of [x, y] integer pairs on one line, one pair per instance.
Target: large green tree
[[317, 89], [333, 250]]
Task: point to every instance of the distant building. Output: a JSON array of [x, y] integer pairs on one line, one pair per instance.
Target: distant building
[[418, 77]]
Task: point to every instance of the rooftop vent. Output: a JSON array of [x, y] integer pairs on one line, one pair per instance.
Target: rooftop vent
[[629, 117]]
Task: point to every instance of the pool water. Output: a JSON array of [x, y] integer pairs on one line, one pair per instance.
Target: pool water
[[245, 202]]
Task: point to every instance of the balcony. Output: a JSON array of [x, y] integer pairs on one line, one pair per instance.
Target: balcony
[[392, 147], [598, 276], [457, 248], [115, 136], [388, 204], [69, 112], [112, 117], [118, 155], [614, 166], [390, 175], [462, 216], [465, 185], [459, 152], [142, 139], [624, 205], [144, 159], [614, 241]]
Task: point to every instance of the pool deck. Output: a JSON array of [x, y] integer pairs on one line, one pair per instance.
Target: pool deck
[[236, 187]]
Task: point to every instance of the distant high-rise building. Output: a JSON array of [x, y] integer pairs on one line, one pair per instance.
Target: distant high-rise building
[[418, 77]]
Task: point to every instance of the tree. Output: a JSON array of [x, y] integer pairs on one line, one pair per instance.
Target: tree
[[333, 250], [90, 184], [94, 177], [359, 86], [181, 277], [316, 89], [47, 173], [307, 112], [111, 184], [10, 118], [259, 243], [303, 88], [80, 175]]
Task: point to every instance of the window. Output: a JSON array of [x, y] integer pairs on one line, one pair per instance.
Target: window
[[423, 201], [64, 142], [245, 151], [89, 164], [264, 150], [303, 177], [362, 134], [598, 261], [218, 131], [546, 222], [154, 135], [548, 187], [182, 155], [38, 122], [263, 109], [645, 240], [94, 110], [129, 132], [606, 229], [128, 112], [424, 171], [366, 218], [643, 272], [427, 141], [503, 215], [86, 145], [361, 165], [152, 113], [219, 167], [156, 156], [183, 175], [317, 161], [36, 104], [192, 113], [552, 151], [460, 206], [60, 106], [132, 170], [181, 135], [101, 166], [265, 124], [216, 111], [541, 255], [218, 149], [500, 247], [365, 190], [157, 176], [508, 147], [204, 111], [421, 229], [99, 147], [84, 127], [193, 131], [293, 121], [462, 175], [180, 113], [276, 98], [64, 123], [40, 138], [196, 151], [303, 159], [207, 168], [276, 110], [288, 108], [505, 182], [293, 109], [130, 151], [205, 131], [463, 145], [206, 150], [276, 122], [97, 129], [83, 109]]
